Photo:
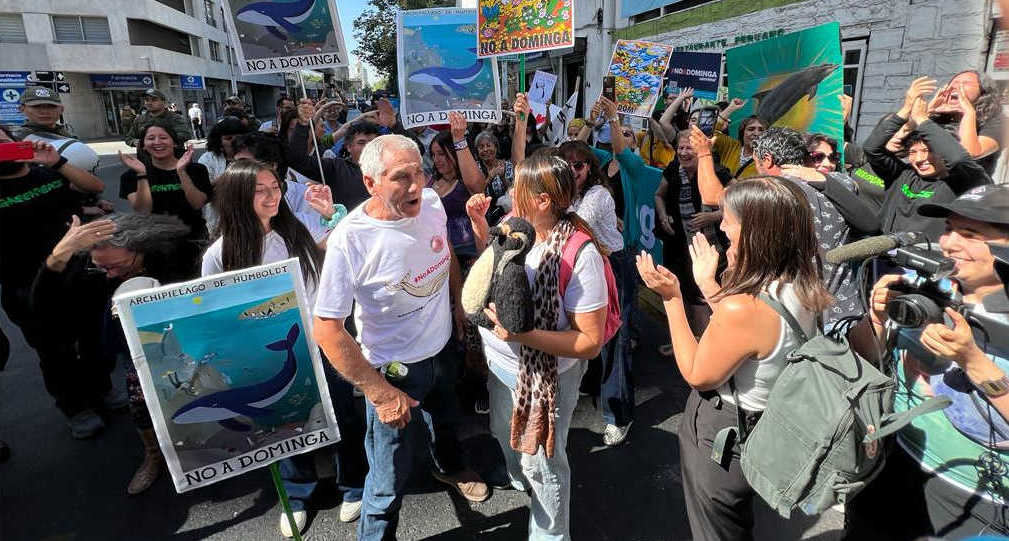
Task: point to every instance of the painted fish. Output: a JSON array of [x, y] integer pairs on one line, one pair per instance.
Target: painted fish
[[276, 15], [248, 401], [775, 102], [272, 307], [441, 79]]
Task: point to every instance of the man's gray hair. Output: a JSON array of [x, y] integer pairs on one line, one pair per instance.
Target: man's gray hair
[[785, 146], [371, 161]]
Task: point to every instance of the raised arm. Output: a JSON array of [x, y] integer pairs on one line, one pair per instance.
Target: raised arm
[[707, 180], [472, 176], [616, 136], [194, 196], [722, 124], [522, 110], [978, 146], [79, 179], [140, 199]]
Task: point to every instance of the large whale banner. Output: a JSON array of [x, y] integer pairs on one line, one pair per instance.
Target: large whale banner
[[795, 80], [638, 68], [278, 36], [523, 26], [439, 70], [232, 377]]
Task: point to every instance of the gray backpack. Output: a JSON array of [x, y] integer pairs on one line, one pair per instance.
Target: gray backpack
[[819, 441]]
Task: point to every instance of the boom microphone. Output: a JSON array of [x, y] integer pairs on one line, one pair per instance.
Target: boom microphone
[[872, 246]]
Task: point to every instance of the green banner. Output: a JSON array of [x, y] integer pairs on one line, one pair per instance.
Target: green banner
[[794, 80]]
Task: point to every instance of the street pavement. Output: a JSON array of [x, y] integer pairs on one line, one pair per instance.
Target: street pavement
[[55, 488]]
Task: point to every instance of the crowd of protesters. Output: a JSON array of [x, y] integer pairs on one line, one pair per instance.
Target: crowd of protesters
[[741, 215]]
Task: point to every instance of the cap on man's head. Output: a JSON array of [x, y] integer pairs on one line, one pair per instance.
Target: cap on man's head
[[989, 204], [40, 95], [154, 93]]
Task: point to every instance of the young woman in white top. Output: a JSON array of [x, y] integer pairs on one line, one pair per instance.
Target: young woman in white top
[[535, 375], [257, 226], [773, 251]]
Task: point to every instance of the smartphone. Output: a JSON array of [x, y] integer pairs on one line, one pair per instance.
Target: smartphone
[[610, 88], [17, 150], [706, 120]]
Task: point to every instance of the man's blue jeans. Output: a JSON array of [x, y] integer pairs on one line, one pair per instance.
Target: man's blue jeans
[[392, 452]]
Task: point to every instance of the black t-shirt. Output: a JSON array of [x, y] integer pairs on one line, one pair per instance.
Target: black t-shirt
[[167, 196], [992, 128], [616, 188], [34, 212]]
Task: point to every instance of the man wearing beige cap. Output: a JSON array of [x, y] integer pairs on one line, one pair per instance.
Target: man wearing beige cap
[[154, 102], [42, 109]]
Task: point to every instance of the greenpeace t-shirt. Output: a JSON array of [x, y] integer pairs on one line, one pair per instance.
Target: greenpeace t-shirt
[[167, 196], [586, 292], [397, 271], [35, 211]]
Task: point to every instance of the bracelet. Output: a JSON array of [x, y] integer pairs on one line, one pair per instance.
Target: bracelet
[[339, 213], [708, 155], [59, 163], [460, 145], [141, 177]]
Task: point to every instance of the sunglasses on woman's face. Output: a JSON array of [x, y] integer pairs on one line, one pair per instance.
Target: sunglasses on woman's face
[[628, 134], [577, 165], [819, 157]]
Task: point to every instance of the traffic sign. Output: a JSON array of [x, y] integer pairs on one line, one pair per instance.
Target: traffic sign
[[60, 77], [12, 95], [63, 88]]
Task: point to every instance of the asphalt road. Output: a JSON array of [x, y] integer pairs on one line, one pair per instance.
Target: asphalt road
[[56, 488]]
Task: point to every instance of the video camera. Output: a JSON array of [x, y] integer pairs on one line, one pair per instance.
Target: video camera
[[925, 291]]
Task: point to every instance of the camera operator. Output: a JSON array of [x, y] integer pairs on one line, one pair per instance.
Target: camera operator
[[948, 468]]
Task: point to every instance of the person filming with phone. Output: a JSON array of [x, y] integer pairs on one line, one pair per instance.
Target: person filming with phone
[[948, 468]]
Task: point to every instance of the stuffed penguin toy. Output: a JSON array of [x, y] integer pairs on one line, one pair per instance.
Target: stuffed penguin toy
[[499, 277]]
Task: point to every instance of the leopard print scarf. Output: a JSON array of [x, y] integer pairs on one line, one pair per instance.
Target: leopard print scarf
[[535, 414]]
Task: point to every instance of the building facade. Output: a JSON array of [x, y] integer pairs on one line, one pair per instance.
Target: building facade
[[112, 50]]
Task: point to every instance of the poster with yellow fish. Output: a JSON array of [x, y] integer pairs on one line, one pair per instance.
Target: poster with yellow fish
[[638, 68], [523, 26], [231, 375]]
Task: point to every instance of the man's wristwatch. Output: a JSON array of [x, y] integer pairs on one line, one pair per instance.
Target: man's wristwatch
[[994, 388]]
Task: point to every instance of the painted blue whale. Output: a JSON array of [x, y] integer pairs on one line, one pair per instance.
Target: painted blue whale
[[276, 15], [439, 77], [251, 400]]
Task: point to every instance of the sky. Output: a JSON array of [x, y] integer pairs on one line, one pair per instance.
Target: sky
[[349, 10]]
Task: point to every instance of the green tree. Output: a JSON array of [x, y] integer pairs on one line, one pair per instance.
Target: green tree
[[375, 30]]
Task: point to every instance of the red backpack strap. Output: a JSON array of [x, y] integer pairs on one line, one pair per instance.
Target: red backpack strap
[[572, 248]]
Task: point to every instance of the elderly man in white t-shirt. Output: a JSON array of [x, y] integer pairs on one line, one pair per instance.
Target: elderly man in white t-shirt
[[391, 258]]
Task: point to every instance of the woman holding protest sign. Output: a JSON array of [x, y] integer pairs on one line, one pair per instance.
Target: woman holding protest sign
[[257, 226]]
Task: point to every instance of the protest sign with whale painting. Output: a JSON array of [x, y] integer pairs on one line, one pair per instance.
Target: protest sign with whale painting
[[793, 80], [275, 36], [439, 70], [232, 378]]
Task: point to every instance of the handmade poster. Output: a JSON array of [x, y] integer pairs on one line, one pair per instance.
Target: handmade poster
[[700, 71], [522, 26], [231, 375], [638, 67], [794, 80], [276, 37], [439, 70], [542, 88]]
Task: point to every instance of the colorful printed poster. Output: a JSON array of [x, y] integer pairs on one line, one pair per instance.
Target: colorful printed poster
[[794, 80], [285, 36], [638, 67], [439, 70], [700, 71], [522, 26], [231, 375], [542, 88]]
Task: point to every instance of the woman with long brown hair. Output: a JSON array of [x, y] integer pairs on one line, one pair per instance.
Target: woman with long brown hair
[[773, 258], [535, 375]]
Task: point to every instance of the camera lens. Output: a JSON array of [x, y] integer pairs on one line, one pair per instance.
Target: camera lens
[[913, 310]]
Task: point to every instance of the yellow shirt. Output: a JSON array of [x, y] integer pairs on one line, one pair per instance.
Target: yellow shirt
[[657, 155], [729, 151]]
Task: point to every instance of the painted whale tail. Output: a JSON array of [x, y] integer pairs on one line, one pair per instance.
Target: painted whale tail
[[287, 343]]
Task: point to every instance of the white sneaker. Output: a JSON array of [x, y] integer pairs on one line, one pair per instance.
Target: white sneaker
[[615, 435], [300, 518], [350, 511]]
